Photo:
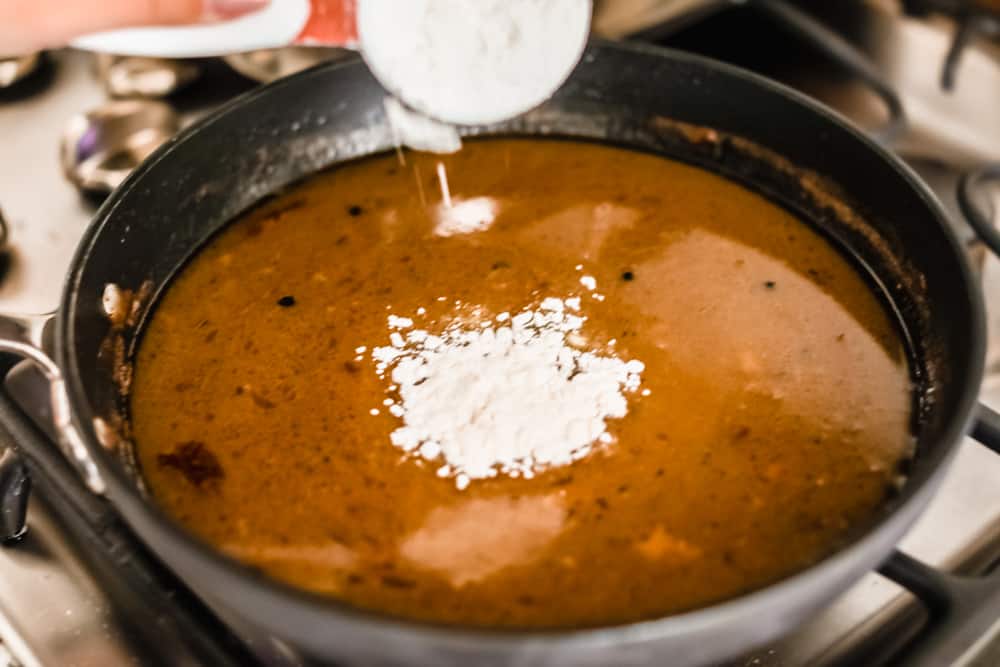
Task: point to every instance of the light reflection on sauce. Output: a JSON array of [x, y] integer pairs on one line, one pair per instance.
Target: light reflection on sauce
[[465, 216], [476, 538], [603, 221], [330, 554], [662, 545], [789, 352]]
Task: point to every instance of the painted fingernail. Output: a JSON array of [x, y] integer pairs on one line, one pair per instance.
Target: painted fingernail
[[230, 9]]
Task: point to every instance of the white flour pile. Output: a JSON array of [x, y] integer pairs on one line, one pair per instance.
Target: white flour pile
[[511, 396], [472, 62]]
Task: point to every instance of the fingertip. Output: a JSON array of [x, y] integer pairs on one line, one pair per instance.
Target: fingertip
[[222, 10]]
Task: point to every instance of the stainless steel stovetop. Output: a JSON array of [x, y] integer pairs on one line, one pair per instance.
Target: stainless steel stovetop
[[54, 610]]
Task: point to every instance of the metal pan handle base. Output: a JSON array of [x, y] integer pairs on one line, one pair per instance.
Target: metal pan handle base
[[21, 336]]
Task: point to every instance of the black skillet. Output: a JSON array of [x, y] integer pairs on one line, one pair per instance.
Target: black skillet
[[627, 95]]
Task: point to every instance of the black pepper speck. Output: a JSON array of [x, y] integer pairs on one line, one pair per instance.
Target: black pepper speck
[[286, 301]]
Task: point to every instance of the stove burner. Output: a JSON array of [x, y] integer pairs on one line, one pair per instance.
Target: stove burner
[[3, 230], [975, 19], [102, 146], [978, 215], [844, 54], [270, 64], [126, 76], [15, 487], [14, 69]]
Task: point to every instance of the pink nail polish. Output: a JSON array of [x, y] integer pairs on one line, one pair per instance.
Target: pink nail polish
[[220, 10]]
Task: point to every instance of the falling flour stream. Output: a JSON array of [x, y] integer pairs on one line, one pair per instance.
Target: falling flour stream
[[512, 395]]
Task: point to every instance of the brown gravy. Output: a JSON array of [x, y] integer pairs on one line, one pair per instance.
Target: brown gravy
[[778, 411]]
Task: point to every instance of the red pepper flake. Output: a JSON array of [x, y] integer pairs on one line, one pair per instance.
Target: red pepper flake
[[261, 402], [397, 582]]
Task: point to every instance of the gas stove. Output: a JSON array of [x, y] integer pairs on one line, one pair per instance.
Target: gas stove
[[62, 605]]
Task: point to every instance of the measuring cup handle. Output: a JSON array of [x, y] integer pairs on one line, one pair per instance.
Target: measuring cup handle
[[330, 23], [281, 23]]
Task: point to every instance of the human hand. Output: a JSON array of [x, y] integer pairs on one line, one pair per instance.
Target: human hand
[[31, 25]]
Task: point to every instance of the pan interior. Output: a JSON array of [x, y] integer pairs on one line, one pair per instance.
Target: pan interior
[[747, 446]]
